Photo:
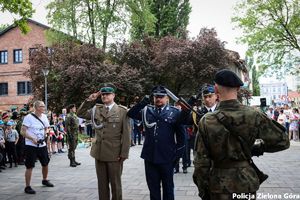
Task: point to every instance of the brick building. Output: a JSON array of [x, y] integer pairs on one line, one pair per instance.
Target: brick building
[[15, 48]]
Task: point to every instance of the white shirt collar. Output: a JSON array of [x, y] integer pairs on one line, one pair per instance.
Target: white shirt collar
[[110, 106], [212, 108]]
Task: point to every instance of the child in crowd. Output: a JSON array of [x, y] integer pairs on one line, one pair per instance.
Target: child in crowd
[[53, 138], [60, 132], [2, 145], [12, 138]]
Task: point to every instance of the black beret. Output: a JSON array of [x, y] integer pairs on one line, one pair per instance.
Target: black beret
[[159, 91], [228, 78], [107, 88]]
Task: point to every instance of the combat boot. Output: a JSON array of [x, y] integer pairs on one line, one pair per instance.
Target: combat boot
[[77, 163], [72, 163]]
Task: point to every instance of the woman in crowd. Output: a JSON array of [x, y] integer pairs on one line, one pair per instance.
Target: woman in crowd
[[12, 138], [294, 125]]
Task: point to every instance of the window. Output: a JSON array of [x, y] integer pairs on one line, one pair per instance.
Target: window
[[3, 57], [3, 89], [31, 51], [18, 57], [24, 88]]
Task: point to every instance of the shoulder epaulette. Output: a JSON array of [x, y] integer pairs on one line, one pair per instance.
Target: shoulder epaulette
[[99, 105], [124, 107]]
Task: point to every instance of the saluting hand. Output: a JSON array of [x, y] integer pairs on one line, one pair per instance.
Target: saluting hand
[[94, 96]]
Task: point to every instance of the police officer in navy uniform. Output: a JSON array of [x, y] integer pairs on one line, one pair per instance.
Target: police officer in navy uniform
[[160, 149]]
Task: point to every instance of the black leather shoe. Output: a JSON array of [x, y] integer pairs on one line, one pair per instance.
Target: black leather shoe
[[29, 190], [47, 183], [185, 171]]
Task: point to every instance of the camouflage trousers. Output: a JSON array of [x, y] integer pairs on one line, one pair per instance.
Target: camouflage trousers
[[72, 144], [222, 196]]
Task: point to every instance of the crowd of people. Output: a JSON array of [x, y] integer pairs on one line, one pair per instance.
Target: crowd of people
[[287, 116], [168, 133]]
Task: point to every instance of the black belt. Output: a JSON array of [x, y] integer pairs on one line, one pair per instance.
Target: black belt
[[231, 164]]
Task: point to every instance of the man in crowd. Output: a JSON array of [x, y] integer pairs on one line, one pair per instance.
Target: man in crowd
[[72, 126], [34, 131], [111, 144], [223, 164], [160, 149]]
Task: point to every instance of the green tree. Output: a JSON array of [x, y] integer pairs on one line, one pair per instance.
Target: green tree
[[271, 31], [22, 8], [91, 21], [256, 89], [142, 20], [159, 18]]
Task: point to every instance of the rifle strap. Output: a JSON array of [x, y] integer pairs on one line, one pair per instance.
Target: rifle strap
[[223, 119], [34, 115]]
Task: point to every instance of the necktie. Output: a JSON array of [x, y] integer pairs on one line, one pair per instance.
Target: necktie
[[210, 110], [107, 109], [159, 110]]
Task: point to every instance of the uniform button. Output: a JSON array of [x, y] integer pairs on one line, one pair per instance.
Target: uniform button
[[155, 140]]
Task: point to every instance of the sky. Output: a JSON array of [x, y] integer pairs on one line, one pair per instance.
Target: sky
[[205, 13]]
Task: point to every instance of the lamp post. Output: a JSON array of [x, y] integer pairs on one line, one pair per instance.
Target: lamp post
[[45, 73]]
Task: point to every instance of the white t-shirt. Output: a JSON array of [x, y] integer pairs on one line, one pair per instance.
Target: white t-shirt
[[35, 128]]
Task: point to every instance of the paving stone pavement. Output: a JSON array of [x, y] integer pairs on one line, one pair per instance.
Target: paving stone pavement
[[80, 183]]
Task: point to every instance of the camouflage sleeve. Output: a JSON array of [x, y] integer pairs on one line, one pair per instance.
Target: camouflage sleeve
[[202, 161], [272, 133]]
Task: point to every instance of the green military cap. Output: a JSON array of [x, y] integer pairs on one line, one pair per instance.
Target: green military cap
[[23, 111], [228, 78], [107, 88]]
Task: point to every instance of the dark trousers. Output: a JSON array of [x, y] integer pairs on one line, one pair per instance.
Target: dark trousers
[[157, 174], [137, 134], [20, 150], [89, 130], [11, 152], [109, 178], [2, 161], [191, 143], [185, 158]]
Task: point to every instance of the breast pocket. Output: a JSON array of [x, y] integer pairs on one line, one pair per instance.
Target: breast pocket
[[114, 120]]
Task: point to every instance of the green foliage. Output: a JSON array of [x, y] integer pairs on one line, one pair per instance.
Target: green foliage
[[271, 31], [91, 21], [256, 89], [172, 17], [22, 8], [142, 20]]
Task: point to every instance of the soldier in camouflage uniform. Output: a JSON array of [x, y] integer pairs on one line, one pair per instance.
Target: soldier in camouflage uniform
[[223, 167], [72, 125]]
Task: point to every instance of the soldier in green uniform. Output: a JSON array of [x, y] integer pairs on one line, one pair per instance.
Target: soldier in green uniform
[[72, 125], [111, 144], [223, 165]]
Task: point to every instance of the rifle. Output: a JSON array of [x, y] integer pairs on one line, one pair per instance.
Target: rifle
[[185, 105]]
